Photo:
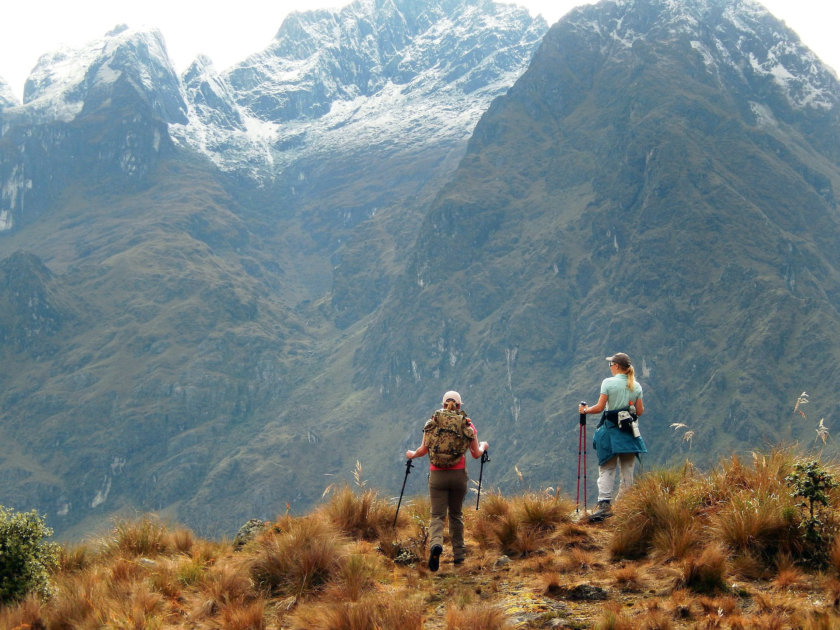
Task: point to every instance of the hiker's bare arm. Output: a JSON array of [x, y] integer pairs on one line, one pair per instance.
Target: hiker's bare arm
[[476, 448], [419, 452], [640, 407], [598, 408]]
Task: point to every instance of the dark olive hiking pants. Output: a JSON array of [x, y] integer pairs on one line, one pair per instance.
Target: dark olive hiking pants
[[447, 490]]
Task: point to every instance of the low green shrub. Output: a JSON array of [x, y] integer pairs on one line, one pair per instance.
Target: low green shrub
[[26, 558]]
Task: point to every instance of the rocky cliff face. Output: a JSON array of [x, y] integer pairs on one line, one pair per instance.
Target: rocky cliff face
[[99, 112]]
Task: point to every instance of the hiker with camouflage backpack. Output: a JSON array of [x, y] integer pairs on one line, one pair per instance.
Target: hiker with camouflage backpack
[[447, 436]]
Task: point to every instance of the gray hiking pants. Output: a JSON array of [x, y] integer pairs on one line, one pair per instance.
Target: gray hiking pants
[[447, 490]]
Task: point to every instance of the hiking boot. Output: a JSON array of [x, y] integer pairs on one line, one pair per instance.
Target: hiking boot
[[458, 561], [434, 557], [604, 511]]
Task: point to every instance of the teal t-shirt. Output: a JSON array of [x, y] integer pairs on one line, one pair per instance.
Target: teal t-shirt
[[618, 396]]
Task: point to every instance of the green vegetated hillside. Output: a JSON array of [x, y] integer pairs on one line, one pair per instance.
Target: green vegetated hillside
[[214, 350], [625, 198], [142, 342]]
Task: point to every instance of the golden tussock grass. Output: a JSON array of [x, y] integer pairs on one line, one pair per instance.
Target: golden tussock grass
[[684, 550], [629, 578], [480, 616], [655, 620], [374, 611], [521, 525], [577, 560], [146, 536], [302, 557], [834, 554], [705, 573], [25, 615], [358, 514], [613, 617], [357, 574]]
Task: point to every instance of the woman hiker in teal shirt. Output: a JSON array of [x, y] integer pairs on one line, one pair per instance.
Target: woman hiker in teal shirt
[[617, 440]]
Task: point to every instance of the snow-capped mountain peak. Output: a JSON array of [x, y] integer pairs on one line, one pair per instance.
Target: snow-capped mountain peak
[[7, 96], [67, 80], [401, 71], [732, 37]]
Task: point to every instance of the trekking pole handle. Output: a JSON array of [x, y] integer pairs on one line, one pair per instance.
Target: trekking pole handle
[[582, 418]]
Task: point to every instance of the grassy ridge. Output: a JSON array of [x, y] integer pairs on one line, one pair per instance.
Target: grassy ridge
[[684, 550]]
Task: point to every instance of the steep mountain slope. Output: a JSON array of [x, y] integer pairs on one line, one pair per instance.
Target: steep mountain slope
[[661, 181], [129, 373], [357, 117], [189, 309]]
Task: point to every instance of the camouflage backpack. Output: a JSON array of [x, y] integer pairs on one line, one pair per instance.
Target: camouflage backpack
[[448, 436]]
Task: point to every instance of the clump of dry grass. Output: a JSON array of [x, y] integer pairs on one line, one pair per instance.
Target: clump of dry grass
[[76, 600], [657, 515], [181, 540], [707, 572], [479, 616], [788, 575], [629, 578], [356, 574], [247, 616], [834, 554], [577, 559], [373, 611], [224, 585], [821, 620], [73, 558], [613, 618], [300, 558], [655, 617], [141, 608], [542, 512], [761, 525], [146, 536], [360, 515], [749, 566], [522, 525], [748, 508], [25, 614]]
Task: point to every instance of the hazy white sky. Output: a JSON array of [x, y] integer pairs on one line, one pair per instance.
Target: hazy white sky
[[227, 33]]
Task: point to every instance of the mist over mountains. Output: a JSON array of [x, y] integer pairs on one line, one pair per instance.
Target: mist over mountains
[[220, 291]]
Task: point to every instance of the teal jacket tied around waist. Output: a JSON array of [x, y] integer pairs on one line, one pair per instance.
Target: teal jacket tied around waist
[[610, 440]]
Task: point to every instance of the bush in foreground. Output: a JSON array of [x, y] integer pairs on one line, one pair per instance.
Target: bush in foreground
[[26, 558]]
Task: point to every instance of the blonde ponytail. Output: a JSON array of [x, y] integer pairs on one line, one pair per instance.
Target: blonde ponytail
[[631, 379]]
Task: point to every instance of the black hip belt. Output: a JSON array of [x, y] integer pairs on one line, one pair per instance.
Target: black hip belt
[[619, 417]]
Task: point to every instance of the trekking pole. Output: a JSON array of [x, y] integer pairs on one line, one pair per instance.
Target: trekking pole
[[581, 443], [484, 458], [408, 465]]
